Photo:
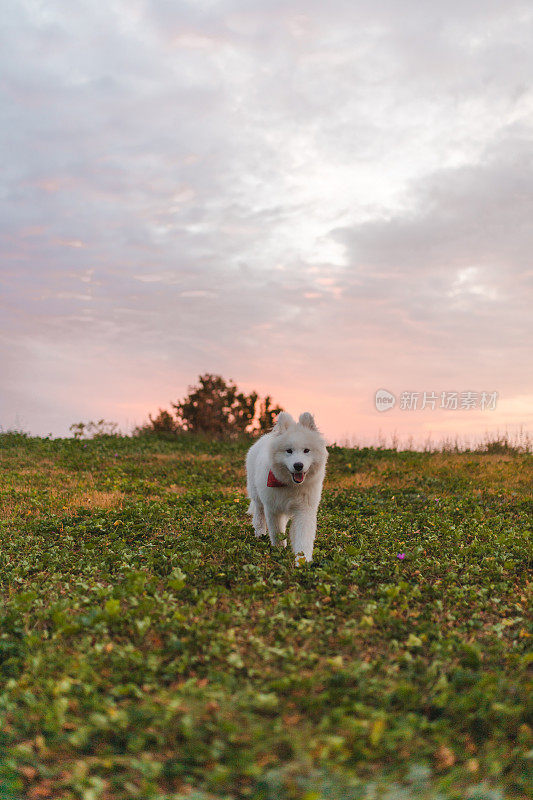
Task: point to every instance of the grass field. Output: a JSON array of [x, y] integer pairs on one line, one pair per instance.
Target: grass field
[[150, 647]]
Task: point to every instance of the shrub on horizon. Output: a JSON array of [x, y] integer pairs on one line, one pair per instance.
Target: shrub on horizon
[[215, 408]]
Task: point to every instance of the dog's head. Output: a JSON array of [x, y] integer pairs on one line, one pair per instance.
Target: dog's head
[[297, 448]]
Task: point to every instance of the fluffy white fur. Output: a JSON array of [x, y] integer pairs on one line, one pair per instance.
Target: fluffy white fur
[[302, 471]]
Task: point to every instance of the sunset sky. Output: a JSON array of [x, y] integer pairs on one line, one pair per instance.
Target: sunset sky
[[317, 200]]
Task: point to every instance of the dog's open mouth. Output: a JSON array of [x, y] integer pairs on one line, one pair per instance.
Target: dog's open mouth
[[298, 477]]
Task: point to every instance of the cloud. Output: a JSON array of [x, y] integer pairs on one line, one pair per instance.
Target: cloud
[[459, 259]]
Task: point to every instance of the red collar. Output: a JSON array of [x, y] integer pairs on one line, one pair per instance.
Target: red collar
[[273, 481]]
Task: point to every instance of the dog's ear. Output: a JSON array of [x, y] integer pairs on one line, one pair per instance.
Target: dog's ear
[[283, 422], [308, 421]]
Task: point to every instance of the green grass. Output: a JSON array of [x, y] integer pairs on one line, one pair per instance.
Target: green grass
[[150, 647]]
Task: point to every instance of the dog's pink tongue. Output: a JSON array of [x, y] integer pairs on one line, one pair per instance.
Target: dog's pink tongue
[[298, 477]]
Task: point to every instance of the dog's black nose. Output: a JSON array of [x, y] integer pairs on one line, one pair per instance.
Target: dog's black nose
[[298, 467]]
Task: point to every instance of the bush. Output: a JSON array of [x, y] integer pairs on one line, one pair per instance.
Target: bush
[[217, 409], [92, 430]]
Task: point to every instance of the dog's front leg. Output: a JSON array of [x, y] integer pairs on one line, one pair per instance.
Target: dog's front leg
[[276, 524], [303, 532], [258, 519]]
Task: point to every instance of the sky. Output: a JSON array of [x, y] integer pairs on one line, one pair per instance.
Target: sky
[[316, 200]]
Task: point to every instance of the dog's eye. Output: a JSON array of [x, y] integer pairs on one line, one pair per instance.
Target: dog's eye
[[306, 450], [289, 450]]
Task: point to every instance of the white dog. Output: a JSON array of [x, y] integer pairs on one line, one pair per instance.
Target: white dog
[[285, 471]]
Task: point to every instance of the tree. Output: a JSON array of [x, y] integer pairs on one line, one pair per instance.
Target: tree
[[216, 408], [164, 422], [267, 416]]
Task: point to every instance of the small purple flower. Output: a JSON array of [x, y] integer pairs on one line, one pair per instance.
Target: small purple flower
[[116, 455], [401, 556]]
